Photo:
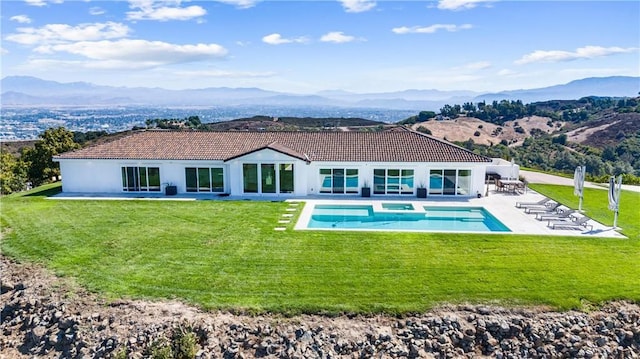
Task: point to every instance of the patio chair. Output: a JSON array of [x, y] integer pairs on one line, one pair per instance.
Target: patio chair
[[558, 215], [542, 202], [569, 224], [553, 208]]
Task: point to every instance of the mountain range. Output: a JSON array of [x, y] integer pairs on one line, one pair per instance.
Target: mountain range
[[32, 91]]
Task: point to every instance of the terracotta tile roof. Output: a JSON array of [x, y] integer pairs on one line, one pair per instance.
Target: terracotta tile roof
[[388, 146]]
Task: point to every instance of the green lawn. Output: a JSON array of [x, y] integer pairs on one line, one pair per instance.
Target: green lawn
[[225, 254]]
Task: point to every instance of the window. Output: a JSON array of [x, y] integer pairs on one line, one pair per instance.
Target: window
[[406, 182], [351, 181], [464, 182], [268, 178], [450, 182], [392, 181], [204, 179], [338, 180], [141, 179], [435, 182], [250, 177], [286, 178]]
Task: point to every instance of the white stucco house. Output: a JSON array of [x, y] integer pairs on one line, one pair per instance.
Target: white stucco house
[[284, 164]]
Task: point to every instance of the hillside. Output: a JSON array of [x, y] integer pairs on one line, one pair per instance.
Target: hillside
[[464, 128], [607, 130]]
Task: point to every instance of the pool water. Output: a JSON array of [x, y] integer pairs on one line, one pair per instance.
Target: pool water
[[398, 206], [428, 218]]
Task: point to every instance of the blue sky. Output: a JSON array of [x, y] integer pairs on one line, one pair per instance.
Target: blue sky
[[311, 46]]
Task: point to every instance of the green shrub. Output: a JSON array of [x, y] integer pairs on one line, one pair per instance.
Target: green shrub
[[122, 353], [159, 349], [424, 130], [184, 343]]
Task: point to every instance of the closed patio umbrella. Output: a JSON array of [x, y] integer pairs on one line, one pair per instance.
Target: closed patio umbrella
[[578, 184], [614, 197]]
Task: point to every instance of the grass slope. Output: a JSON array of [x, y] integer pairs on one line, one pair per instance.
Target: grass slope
[[225, 254]]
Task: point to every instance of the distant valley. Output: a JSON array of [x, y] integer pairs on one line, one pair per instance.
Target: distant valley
[[30, 105]]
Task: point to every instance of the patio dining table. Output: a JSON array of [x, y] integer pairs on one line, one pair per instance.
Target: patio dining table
[[511, 186]]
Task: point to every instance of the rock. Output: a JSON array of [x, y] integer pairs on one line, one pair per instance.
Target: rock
[[444, 339], [6, 287], [38, 333]]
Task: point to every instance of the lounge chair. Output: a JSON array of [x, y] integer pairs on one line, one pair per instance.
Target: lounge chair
[[558, 215], [541, 203], [550, 209], [569, 224]]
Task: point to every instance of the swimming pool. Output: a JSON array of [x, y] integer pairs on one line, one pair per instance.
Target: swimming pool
[[426, 218]]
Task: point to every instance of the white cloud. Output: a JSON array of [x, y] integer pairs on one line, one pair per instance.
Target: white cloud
[[149, 53], [460, 4], [474, 66], [358, 5], [587, 52], [74, 65], [56, 33], [23, 19], [242, 4], [337, 37], [430, 29], [3, 51], [507, 72], [36, 2], [163, 10], [42, 2], [96, 10], [277, 39]]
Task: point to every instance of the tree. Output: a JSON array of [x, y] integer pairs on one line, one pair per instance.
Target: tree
[[469, 107], [609, 154], [450, 111], [425, 115], [13, 173], [560, 139], [52, 142]]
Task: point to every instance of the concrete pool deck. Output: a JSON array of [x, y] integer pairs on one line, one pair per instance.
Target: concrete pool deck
[[502, 206]]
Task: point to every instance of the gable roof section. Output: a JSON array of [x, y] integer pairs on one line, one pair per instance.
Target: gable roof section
[[276, 147], [387, 146]]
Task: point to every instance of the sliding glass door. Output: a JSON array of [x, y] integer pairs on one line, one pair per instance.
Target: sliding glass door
[[449, 182], [141, 179], [392, 181], [269, 178], [204, 179], [338, 180]]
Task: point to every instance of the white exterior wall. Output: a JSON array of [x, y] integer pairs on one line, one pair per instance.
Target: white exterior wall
[[105, 176], [91, 176]]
